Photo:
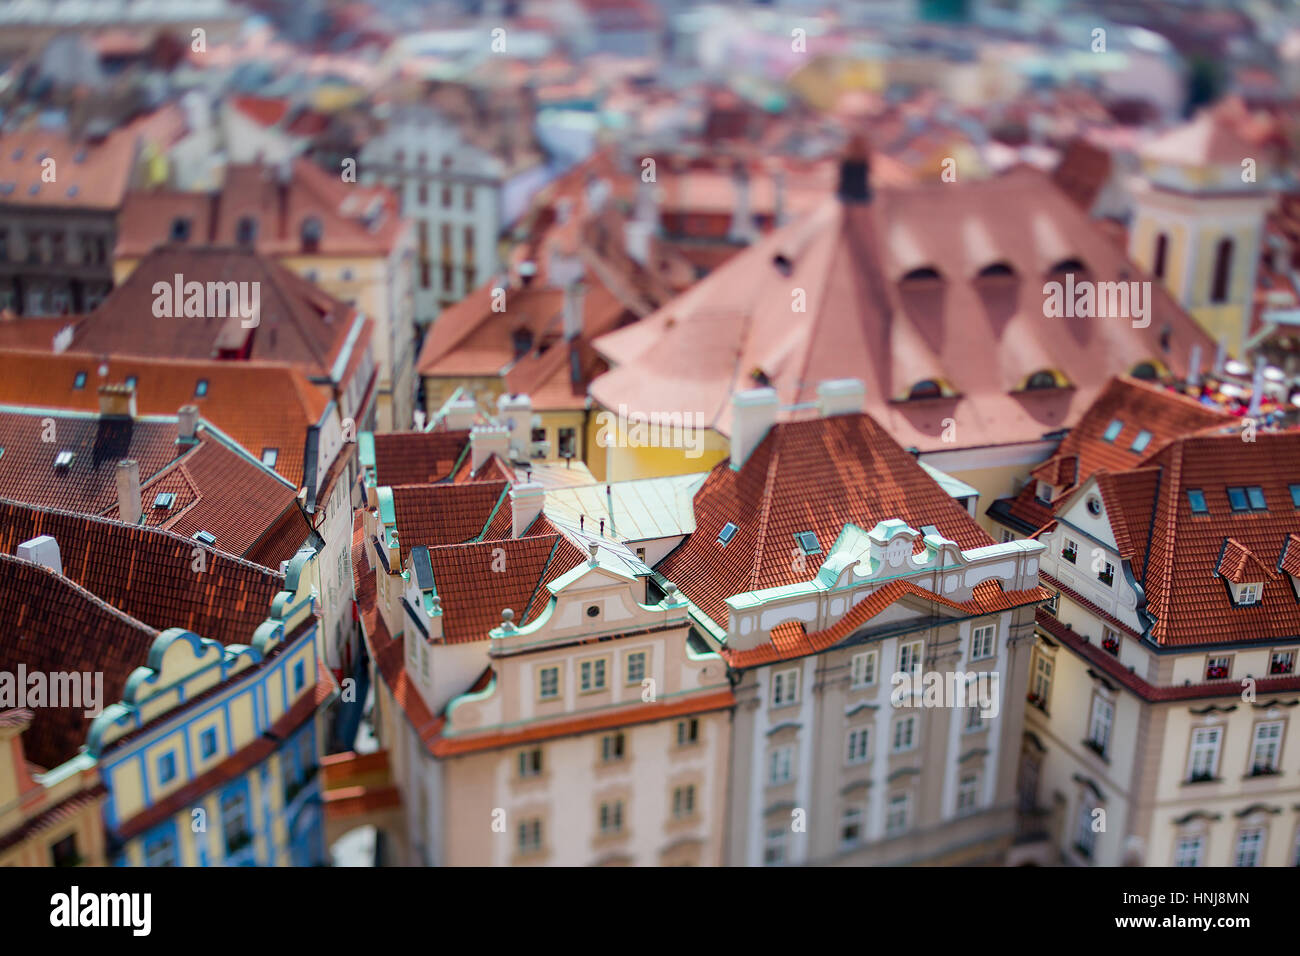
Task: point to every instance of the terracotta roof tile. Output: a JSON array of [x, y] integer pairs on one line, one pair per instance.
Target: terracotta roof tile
[[434, 515], [418, 458]]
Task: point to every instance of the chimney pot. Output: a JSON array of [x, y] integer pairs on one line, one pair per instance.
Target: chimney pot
[[460, 414], [486, 441], [526, 503], [117, 401], [128, 491], [187, 420], [515, 412], [841, 396]]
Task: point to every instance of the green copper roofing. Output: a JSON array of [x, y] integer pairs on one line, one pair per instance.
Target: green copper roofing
[[955, 487], [366, 449]]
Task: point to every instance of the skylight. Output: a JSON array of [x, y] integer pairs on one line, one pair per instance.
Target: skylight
[[727, 533], [1295, 496], [1250, 498], [79, 381], [1196, 498], [165, 500], [808, 541], [205, 537], [201, 388], [269, 455], [63, 459], [1140, 443], [1113, 430]]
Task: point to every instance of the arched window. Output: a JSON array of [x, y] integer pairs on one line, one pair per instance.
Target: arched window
[[1222, 271], [925, 389], [1041, 380], [922, 274], [312, 230], [1145, 370], [996, 269], [1162, 252]]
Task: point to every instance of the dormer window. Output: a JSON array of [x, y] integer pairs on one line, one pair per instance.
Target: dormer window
[[180, 231], [996, 270], [1070, 550], [312, 230], [921, 274], [926, 389], [1041, 380], [1249, 593], [1247, 498], [1066, 266], [1196, 500], [246, 231]]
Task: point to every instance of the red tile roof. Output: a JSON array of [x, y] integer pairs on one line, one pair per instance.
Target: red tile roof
[[299, 323], [147, 573], [1181, 558], [1082, 172], [864, 320], [87, 175], [818, 476], [418, 458], [164, 385], [49, 624], [434, 515]]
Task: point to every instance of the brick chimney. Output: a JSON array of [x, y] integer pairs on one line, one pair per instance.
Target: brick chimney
[[187, 421], [485, 441], [117, 401], [128, 491], [526, 502], [753, 413]]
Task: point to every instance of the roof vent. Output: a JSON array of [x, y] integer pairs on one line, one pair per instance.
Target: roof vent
[[165, 500], [63, 460]]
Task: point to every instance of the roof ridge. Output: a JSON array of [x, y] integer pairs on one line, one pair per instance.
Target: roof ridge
[[528, 605], [769, 482], [91, 596]]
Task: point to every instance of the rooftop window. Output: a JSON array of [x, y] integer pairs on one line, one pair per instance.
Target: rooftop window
[[926, 389], [165, 500], [79, 381], [201, 388], [269, 456], [1295, 496], [1140, 443], [1113, 430], [1196, 498], [1250, 498], [727, 533], [808, 541], [63, 459]]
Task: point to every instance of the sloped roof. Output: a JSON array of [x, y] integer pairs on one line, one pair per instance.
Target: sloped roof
[[417, 457], [862, 321], [818, 476], [49, 624], [147, 573], [440, 514], [87, 175]]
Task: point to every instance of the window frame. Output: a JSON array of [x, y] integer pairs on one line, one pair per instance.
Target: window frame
[[990, 632], [780, 678]]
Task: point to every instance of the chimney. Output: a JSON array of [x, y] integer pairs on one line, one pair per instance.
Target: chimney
[[526, 502], [128, 491], [753, 413], [44, 551], [779, 217], [187, 421], [855, 170], [574, 294], [117, 401], [742, 217], [515, 412], [486, 441], [459, 415], [841, 396]]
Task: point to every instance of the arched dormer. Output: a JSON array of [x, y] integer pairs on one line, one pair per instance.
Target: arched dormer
[[1044, 379]]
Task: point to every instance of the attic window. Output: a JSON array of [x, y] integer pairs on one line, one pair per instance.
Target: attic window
[[1249, 593], [1196, 498], [922, 274], [63, 459], [1094, 505], [1145, 371], [727, 533], [180, 229], [1041, 380], [1247, 498], [1068, 265], [1113, 430], [926, 389], [73, 190], [165, 500], [995, 270], [204, 537], [79, 380], [808, 541], [783, 263], [201, 388], [522, 340], [312, 230], [1140, 443], [1295, 496], [269, 456]]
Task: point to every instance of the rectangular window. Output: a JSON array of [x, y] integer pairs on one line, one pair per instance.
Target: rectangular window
[[1265, 749], [1042, 687], [1248, 593], [981, 641], [727, 533], [1103, 716], [1107, 573], [299, 676], [684, 801], [1295, 495], [548, 683], [1141, 441], [1204, 759], [1110, 641], [780, 767], [968, 794], [530, 836], [591, 675], [904, 734], [1255, 495], [161, 851], [611, 817], [208, 743], [1218, 668], [785, 687], [1196, 500], [1190, 851], [567, 439], [1281, 662], [1085, 837], [1070, 550], [636, 667], [1250, 847], [1112, 430], [688, 732], [234, 820], [774, 847], [909, 657], [858, 750], [530, 762], [167, 768], [611, 747], [807, 541], [974, 719], [899, 813], [851, 826], [863, 669]]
